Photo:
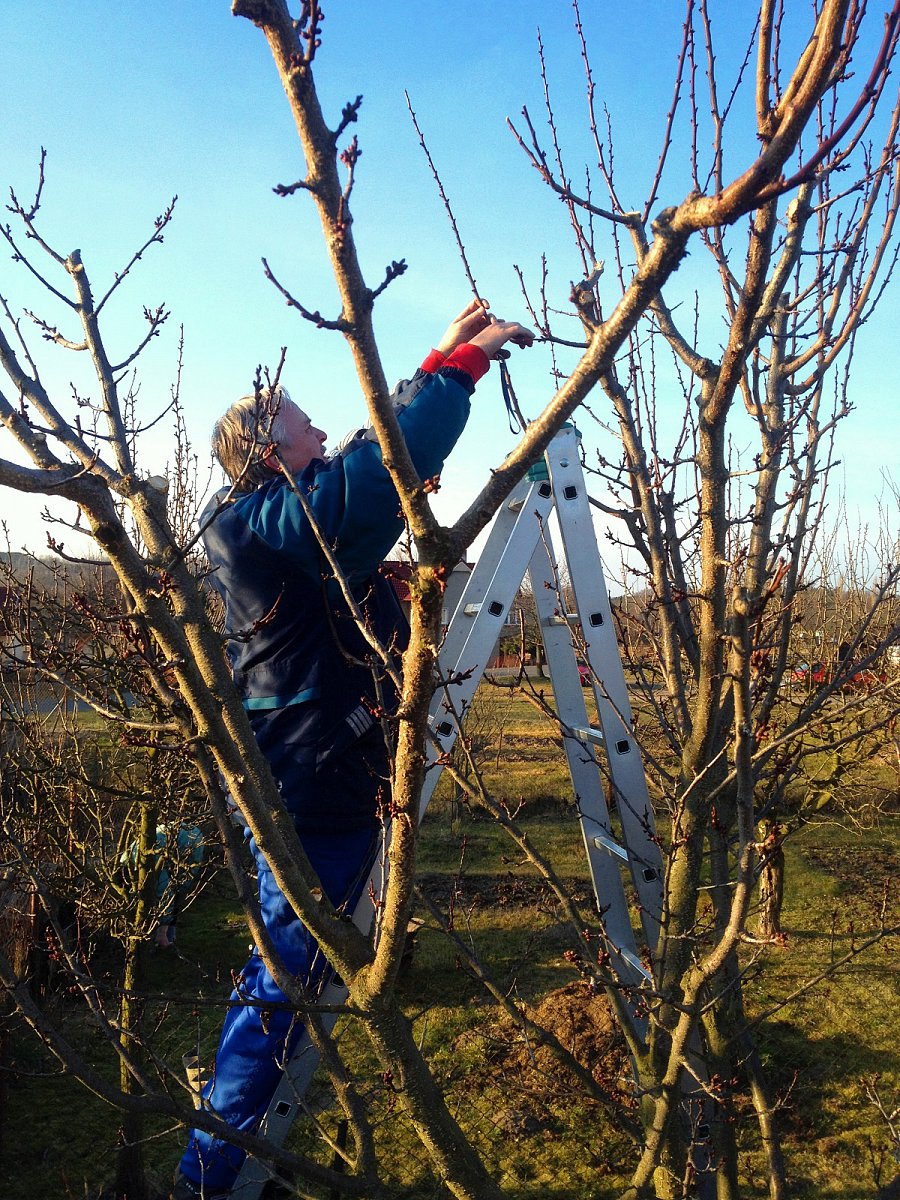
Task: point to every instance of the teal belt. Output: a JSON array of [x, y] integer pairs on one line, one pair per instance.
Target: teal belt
[[265, 703]]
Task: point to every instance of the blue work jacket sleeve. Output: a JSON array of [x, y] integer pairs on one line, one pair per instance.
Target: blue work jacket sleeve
[[352, 496]]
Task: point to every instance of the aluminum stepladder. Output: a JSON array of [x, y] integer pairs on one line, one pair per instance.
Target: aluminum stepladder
[[519, 546]]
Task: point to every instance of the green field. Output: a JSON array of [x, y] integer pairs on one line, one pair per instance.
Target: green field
[[535, 1128]]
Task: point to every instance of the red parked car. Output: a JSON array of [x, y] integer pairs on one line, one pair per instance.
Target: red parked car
[[864, 680], [861, 680], [810, 673]]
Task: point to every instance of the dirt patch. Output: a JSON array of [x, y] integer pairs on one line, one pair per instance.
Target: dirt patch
[[509, 891], [582, 1023], [864, 873], [535, 1076]]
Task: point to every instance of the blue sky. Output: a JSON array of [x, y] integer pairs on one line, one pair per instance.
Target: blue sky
[[135, 103]]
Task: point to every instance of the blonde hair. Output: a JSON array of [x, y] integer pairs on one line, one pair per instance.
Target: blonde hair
[[242, 436]]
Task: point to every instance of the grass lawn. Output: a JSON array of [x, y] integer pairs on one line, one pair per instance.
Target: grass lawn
[[536, 1129]]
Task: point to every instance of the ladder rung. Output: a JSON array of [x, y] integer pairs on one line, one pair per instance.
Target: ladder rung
[[568, 619], [602, 842], [634, 961], [442, 726], [495, 609], [586, 733]]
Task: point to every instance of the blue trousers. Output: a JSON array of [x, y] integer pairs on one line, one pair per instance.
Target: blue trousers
[[333, 783], [255, 1042]]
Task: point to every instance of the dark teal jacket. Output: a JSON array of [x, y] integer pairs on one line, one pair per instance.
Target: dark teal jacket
[[291, 638]]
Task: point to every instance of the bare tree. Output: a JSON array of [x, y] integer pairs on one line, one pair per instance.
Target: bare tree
[[720, 597], [83, 813], [721, 542]]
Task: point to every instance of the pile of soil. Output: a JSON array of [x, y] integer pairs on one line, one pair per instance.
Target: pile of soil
[[532, 1075], [582, 1022]]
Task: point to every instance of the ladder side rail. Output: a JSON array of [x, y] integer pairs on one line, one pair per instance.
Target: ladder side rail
[[587, 781], [287, 1100], [594, 613], [695, 1109], [490, 558], [482, 629], [602, 652]]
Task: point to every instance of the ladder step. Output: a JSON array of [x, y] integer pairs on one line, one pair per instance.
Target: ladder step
[[495, 608], [634, 961], [602, 842], [589, 735], [567, 619]]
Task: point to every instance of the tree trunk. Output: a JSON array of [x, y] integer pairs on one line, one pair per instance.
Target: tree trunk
[[771, 884], [131, 1183]]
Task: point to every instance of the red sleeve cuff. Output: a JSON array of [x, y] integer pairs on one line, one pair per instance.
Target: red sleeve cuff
[[471, 359], [433, 361]]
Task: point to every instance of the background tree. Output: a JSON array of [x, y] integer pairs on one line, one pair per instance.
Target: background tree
[[81, 804], [721, 541]]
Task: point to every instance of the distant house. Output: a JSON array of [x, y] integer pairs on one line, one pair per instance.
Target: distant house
[[400, 573], [28, 581], [10, 645]]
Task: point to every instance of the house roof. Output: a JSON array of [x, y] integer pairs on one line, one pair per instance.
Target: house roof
[[399, 572]]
